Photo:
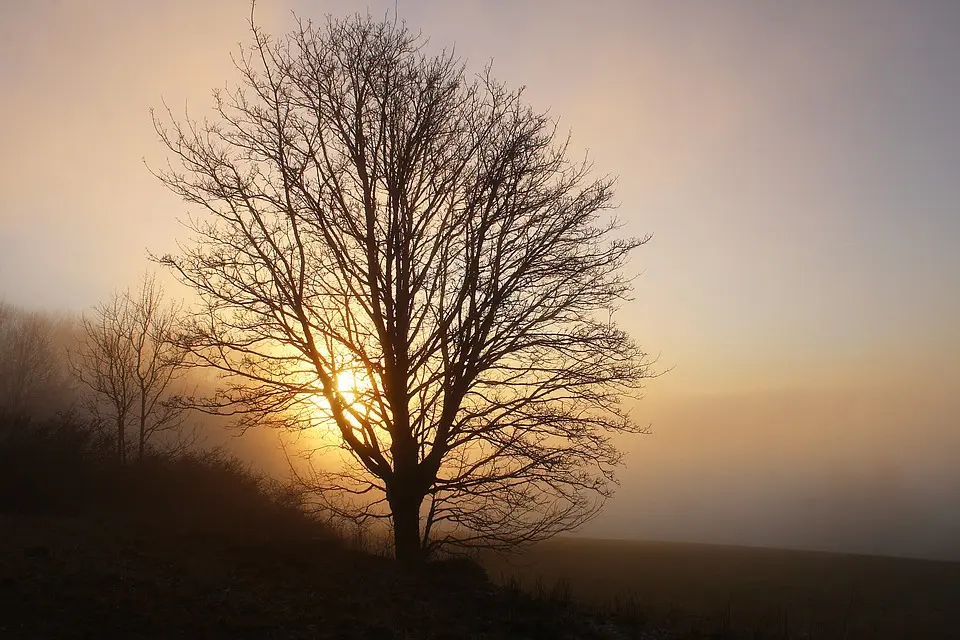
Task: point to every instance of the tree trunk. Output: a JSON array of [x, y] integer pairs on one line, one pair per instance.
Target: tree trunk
[[121, 442], [143, 425], [405, 511]]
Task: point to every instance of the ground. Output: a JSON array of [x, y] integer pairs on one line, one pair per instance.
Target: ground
[[80, 577], [66, 577], [751, 592]]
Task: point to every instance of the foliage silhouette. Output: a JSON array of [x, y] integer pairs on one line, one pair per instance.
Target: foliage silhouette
[[64, 466]]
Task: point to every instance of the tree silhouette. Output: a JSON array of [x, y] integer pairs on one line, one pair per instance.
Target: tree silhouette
[[127, 358], [406, 252], [34, 380]]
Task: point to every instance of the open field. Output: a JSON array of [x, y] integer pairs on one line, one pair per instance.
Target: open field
[[750, 591]]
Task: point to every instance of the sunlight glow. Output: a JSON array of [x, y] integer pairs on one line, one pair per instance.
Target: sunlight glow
[[352, 385]]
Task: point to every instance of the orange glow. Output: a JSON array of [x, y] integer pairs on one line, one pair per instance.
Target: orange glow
[[354, 387]]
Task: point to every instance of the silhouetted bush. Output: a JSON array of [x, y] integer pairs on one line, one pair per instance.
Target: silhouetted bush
[[210, 492], [460, 571], [51, 466]]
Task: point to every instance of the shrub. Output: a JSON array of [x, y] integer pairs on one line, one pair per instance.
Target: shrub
[[49, 466]]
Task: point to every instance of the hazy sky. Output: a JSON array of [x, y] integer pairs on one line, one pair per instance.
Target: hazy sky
[[797, 162]]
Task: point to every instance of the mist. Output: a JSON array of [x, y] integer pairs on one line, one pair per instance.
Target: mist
[[853, 470], [796, 167]]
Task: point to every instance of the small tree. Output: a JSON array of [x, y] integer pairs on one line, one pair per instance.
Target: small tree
[[408, 254], [129, 360]]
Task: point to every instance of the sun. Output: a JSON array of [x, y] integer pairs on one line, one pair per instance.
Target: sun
[[352, 385]]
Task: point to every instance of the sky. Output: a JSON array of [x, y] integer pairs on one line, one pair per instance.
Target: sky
[[796, 163]]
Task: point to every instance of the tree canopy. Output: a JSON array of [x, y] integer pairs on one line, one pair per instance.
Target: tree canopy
[[391, 245]]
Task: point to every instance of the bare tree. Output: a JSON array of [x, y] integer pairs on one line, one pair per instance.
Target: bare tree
[[129, 360], [33, 375], [395, 248]]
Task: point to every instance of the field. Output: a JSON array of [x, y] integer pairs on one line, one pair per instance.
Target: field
[[748, 592]]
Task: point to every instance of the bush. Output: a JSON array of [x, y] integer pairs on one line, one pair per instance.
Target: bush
[[210, 492], [49, 466]]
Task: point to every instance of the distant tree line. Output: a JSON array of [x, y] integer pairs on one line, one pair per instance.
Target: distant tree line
[[34, 376], [117, 367], [92, 422]]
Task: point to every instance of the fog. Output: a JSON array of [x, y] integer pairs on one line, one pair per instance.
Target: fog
[[860, 458], [869, 468], [865, 470], [796, 165]]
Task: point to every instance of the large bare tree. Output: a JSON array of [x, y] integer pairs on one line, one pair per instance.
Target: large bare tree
[[406, 252], [128, 359]]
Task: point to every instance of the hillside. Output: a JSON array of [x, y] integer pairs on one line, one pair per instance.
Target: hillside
[[199, 546], [72, 578]]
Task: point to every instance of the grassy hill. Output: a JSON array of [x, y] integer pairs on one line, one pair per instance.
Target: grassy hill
[[73, 578], [199, 547]]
